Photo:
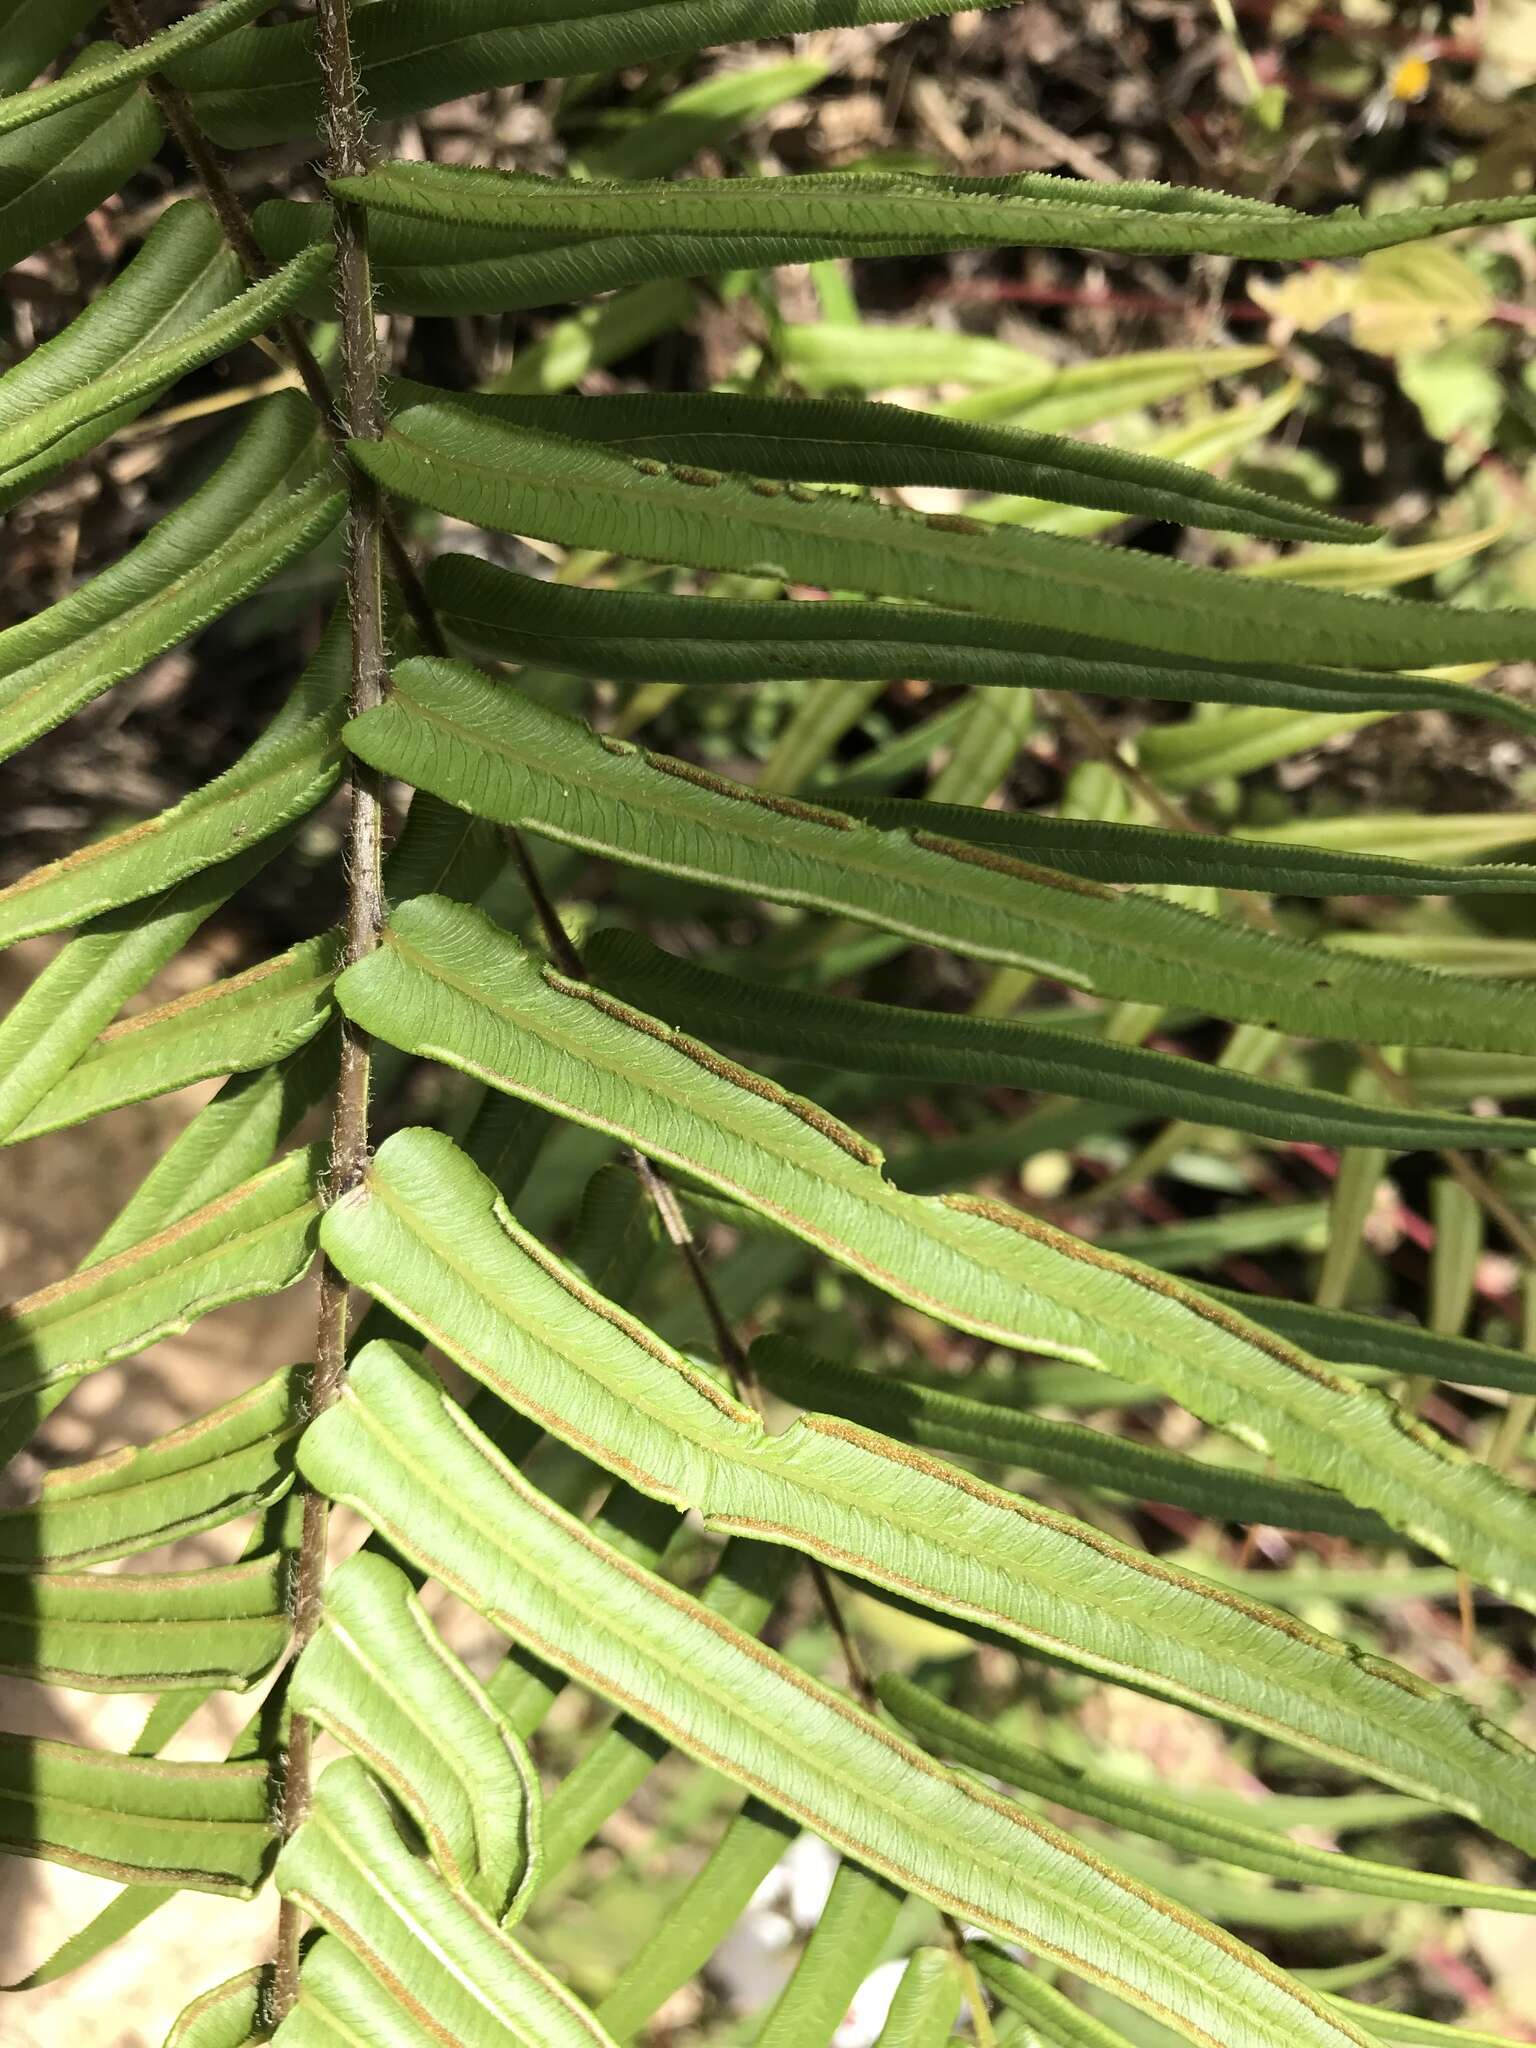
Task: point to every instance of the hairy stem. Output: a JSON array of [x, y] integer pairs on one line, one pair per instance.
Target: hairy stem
[[361, 419]]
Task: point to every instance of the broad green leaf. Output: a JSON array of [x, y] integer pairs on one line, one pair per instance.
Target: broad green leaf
[[1085, 394], [863, 355], [1187, 755], [1450, 836], [845, 1945], [424, 268], [803, 745], [1202, 1240], [271, 500], [495, 753], [182, 276], [126, 67], [1146, 855], [987, 746], [457, 461], [255, 1240], [1345, 1337], [1211, 438], [137, 1819], [209, 1471], [940, 1419], [644, 636], [1146, 1810], [221, 1626], [841, 441], [262, 85], [708, 1908], [400, 1451], [927, 2002], [1402, 2028], [871, 213], [428, 1236], [53, 175], [595, 336], [991, 1270], [86, 983], [1029, 389], [664, 138], [1443, 947], [943, 1045], [42, 440], [742, 1592], [379, 1678], [229, 2016], [246, 1021], [32, 33], [1383, 567], [414, 1945]]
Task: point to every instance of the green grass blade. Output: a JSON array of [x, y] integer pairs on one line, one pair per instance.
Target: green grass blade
[[399, 1450], [1146, 1810], [666, 137]]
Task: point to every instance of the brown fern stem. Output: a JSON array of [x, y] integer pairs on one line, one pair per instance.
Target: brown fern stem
[[361, 419]]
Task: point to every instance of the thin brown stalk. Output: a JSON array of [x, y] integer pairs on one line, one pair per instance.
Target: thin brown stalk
[[361, 419]]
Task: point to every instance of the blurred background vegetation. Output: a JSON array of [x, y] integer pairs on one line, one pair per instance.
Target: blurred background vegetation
[[1400, 389]]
